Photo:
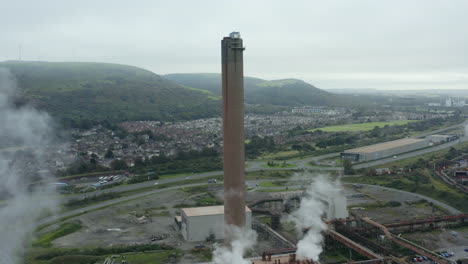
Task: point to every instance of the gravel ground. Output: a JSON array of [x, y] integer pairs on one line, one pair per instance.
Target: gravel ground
[[450, 240], [406, 211], [135, 221]]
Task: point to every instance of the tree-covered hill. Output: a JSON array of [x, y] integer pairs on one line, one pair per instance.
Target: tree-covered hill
[[287, 92], [78, 93]]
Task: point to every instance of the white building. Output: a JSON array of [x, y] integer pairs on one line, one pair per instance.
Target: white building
[[198, 223], [448, 102]]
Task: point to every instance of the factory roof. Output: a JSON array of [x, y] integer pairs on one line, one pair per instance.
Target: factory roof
[[208, 210], [385, 145]]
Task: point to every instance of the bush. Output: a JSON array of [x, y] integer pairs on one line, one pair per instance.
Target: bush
[[75, 259], [99, 251], [92, 199], [393, 204], [63, 230]]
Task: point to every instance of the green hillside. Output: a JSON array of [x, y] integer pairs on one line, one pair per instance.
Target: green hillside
[[77, 92], [287, 92]]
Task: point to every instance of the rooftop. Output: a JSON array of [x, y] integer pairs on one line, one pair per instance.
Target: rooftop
[[385, 145], [208, 210], [234, 35]]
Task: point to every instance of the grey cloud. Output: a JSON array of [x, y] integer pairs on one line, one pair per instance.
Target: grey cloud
[[313, 40]]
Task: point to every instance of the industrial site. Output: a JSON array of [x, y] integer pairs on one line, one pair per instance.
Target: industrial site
[[329, 132], [246, 214]]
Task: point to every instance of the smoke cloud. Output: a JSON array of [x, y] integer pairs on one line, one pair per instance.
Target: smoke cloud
[[243, 239], [319, 199], [24, 136]]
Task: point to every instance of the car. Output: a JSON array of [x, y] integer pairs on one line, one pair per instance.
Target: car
[[156, 183], [420, 259], [466, 249], [415, 260], [395, 157], [187, 178], [424, 257], [200, 247]]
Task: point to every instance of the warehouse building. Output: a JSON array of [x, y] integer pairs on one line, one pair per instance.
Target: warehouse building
[[383, 150], [198, 223], [437, 139]]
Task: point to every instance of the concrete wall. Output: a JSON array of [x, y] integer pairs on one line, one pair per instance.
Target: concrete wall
[[198, 228]]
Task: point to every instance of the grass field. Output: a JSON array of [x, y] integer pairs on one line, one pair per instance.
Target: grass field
[[361, 126], [269, 174], [279, 165], [280, 154], [279, 190], [208, 93], [435, 188], [64, 229], [152, 257], [156, 257], [274, 184]]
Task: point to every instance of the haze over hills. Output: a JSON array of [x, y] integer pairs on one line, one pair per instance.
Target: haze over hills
[[285, 92], [417, 92], [81, 92]]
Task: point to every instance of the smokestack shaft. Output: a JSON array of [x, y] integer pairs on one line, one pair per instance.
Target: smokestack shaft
[[233, 130]]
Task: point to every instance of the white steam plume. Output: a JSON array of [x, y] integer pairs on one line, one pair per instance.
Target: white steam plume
[[22, 205], [243, 239], [318, 198]]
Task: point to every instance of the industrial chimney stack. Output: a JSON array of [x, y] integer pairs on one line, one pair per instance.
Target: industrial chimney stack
[[233, 130]]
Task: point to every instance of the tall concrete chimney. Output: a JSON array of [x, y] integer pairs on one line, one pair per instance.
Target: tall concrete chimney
[[233, 130]]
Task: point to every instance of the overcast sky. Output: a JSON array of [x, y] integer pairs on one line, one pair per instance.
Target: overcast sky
[[391, 44]]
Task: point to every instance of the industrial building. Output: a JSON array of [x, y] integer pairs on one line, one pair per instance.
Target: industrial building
[[437, 139], [383, 150], [198, 223]]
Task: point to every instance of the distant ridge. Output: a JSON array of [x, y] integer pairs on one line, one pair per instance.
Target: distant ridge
[[285, 92], [87, 92]]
